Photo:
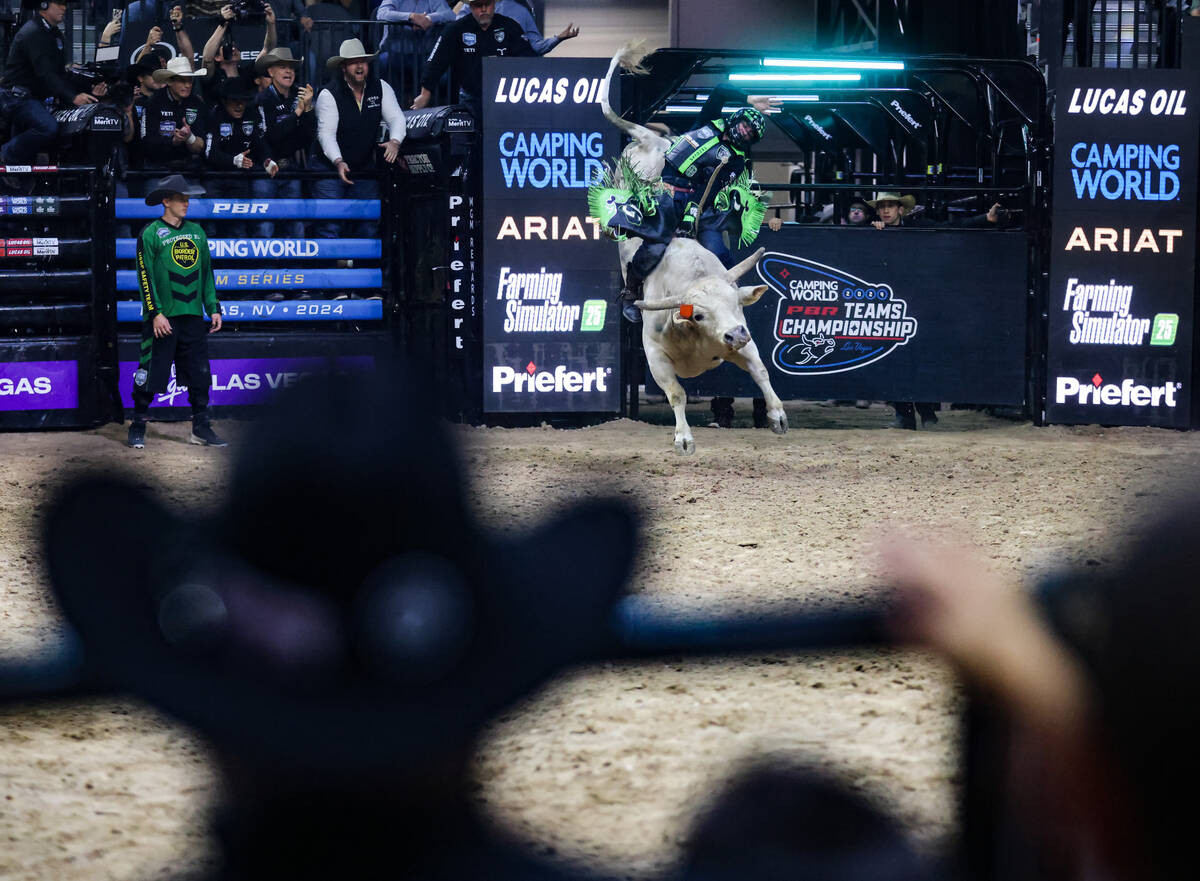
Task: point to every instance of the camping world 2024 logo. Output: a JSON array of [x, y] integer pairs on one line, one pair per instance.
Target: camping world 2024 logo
[[828, 321]]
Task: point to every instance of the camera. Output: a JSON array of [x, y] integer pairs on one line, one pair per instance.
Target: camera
[[248, 10], [84, 77]]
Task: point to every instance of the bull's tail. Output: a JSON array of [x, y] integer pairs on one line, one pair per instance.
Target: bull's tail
[[629, 57]]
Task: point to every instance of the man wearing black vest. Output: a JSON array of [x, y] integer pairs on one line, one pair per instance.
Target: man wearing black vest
[[349, 112], [34, 73], [464, 45]]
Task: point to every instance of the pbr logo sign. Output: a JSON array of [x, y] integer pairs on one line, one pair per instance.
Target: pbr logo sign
[[828, 321]]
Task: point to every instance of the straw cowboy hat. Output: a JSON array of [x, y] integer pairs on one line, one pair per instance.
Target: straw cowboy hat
[[350, 50], [383, 638], [908, 202], [177, 66], [172, 183], [279, 55]]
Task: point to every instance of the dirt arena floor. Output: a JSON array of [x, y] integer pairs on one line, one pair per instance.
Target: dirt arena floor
[[609, 764]]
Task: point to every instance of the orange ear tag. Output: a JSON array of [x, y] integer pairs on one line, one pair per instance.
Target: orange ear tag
[[685, 311]]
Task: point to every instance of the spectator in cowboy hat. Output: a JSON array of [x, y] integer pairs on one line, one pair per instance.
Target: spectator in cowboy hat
[[235, 144], [463, 46], [289, 116], [349, 112], [891, 209], [173, 125], [343, 670]]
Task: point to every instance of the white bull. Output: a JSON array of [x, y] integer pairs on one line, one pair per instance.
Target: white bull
[[678, 343]]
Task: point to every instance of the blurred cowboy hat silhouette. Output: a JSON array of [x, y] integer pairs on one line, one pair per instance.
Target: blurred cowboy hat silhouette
[[342, 612]]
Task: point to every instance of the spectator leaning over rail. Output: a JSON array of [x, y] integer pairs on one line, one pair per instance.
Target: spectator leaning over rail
[[236, 143], [333, 29], [35, 73], [349, 112], [412, 28], [896, 211], [464, 45], [290, 121], [173, 125], [520, 12], [175, 278]]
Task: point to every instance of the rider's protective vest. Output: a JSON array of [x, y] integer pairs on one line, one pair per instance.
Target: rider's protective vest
[[694, 156]]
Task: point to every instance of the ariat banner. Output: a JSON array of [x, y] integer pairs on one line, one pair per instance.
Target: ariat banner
[[550, 325], [1122, 262]]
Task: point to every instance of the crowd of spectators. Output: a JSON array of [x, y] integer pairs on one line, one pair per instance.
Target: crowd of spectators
[[314, 96]]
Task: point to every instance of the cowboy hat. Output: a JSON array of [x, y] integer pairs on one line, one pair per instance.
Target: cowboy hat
[[350, 50], [909, 202], [172, 183], [37, 4], [236, 89], [140, 68], [177, 66], [279, 55], [382, 638]]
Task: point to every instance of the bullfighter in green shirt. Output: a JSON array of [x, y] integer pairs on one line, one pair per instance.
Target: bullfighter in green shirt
[[175, 278]]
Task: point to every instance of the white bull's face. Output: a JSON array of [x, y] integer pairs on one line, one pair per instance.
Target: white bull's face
[[716, 311]]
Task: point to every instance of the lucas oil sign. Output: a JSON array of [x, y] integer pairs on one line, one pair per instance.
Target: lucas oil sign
[[550, 330], [1123, 248]]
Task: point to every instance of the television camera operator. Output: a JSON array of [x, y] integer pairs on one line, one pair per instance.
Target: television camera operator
[[36, 71]]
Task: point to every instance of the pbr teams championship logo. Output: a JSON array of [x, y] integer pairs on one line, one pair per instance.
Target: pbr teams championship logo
[[828, 321]]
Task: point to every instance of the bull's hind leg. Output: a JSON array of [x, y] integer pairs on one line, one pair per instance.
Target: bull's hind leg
[[663, 372], [749, 360]]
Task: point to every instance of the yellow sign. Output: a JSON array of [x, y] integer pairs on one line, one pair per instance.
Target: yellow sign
[[185, 253]]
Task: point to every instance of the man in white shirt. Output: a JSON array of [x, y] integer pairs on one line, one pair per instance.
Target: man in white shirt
[[349, 113]]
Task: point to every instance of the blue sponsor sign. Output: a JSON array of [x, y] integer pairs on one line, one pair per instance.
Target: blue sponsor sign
[[828, 321], [1123, 248], [550, 340], [288, 310], [868, 321], [259, 209], [277, 249], [278, 279]]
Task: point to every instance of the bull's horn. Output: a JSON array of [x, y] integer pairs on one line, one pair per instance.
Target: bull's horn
[[745, 266], [673, 303]]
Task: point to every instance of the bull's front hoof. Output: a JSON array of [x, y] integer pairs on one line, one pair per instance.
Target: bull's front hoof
[[684, 446], [780, 426]]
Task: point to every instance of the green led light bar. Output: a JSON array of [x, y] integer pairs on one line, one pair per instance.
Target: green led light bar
[[794, 77], [829, 64]]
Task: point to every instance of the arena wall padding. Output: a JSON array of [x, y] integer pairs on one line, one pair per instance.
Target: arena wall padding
[[277, 279], [258, 209], [272, 249], [129, 311]]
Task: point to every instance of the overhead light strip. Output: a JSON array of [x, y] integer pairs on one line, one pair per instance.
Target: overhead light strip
[[833, 64], [794, 77]]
